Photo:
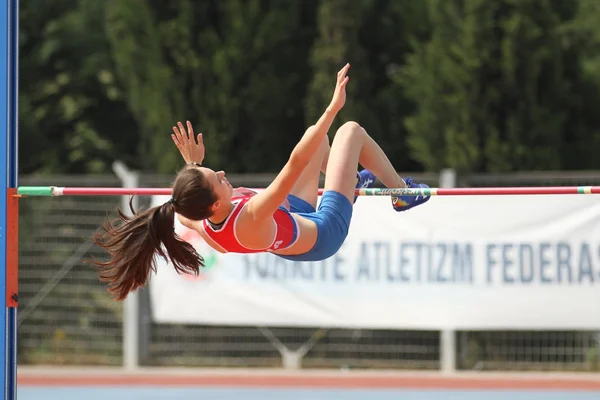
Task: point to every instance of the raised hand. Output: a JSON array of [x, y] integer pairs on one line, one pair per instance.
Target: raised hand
[[339, 94], [190, 150]]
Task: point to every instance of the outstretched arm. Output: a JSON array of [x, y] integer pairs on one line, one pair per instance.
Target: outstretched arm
[[265, 203]]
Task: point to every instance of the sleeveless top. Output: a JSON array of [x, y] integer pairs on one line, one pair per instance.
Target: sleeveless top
[[286, 229]]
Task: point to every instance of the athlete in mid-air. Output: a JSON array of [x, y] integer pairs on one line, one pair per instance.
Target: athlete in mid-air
[[282, 219]]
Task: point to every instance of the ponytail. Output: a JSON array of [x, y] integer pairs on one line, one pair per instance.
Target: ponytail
[[134, 242]]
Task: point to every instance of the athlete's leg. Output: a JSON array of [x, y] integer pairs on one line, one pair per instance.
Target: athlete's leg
[[325, 161], [306, 188], [351, 146], [364, 178]]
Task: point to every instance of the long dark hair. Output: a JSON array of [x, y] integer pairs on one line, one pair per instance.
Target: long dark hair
[[133, 241]]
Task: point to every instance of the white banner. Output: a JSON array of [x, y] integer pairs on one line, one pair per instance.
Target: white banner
[[479, 262]]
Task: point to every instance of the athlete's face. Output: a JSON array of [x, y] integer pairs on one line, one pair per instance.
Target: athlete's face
[[219, 182]]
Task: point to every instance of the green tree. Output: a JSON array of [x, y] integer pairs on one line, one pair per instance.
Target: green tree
[[151, 91], [582, 138], [67, 90], [339, 22], [493, 85], [374, 36], [387, 30], [230, 67], [254, 101]]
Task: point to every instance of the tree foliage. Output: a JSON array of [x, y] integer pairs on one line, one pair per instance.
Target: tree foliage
[[471, 84]]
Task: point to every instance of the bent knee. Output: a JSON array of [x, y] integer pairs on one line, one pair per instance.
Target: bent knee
[[350, 125], [351, 128]]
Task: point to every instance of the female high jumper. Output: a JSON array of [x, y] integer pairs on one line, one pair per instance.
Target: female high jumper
[[282, 219]]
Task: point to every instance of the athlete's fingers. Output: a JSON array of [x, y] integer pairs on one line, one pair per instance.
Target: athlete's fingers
[[181, 134], [177, 137], [190, 130], [184, 135], [343, 72]]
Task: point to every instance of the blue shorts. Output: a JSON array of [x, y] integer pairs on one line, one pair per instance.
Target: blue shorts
[[332, 218]]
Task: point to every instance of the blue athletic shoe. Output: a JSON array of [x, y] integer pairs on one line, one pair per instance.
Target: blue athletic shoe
[[364, 179], [403, 203]]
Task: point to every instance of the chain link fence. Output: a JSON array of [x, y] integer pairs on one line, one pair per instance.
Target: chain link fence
[[66, 316]]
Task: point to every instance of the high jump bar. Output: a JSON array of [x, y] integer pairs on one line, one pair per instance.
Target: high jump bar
[[482, 191]]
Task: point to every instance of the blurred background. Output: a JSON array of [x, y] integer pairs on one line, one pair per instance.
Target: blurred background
[[491, 92]]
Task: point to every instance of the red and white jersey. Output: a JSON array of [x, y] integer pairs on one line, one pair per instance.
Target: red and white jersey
[[286, 229]]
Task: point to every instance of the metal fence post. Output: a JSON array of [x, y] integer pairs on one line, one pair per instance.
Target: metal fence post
[[131, 311], [447, 335], [447, 178]]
